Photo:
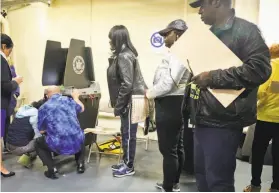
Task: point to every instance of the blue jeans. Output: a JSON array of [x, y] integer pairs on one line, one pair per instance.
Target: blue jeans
[[215, 158], [129, 139]]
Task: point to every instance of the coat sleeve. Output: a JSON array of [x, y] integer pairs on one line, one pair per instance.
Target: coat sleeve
[[34, 122], [41, 118], [169, 79], [255, 69], [17, 91], [126, 74], [7, 86], [263, 89]]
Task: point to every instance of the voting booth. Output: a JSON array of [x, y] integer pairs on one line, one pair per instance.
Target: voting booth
[[73, 68]]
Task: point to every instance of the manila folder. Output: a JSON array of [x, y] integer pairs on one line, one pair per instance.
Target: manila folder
[[205, 52]]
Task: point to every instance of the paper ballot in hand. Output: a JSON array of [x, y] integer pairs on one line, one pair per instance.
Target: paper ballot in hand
[[140, 108], [206, 52]]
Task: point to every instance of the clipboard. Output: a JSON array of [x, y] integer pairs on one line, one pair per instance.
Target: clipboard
[[205, 52], [140, 109]]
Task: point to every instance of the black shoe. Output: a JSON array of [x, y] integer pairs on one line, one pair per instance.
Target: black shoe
[[33, 158], [81, 169], [6, 151], [176, 187], [51, 174], [116, 167], [7, 175]]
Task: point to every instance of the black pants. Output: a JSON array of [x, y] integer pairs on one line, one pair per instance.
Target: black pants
[[129, 139], [215, 158], [44, 153], [7, 125], [188, 148], [170, 138], [264, 132]]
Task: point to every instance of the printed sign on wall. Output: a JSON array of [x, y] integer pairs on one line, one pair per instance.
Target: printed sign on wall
[[157, 40]]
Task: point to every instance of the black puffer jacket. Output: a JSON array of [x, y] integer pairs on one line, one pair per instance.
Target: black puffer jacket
[[245, 40], [124, 80]]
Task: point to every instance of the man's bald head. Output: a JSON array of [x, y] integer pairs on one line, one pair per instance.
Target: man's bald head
[[51, 90]]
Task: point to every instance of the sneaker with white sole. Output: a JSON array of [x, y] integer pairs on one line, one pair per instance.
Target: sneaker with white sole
[[176, 187], [124, 171], [117, 166]]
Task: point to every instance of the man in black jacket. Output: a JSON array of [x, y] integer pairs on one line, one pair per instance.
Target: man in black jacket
[[217, 129]]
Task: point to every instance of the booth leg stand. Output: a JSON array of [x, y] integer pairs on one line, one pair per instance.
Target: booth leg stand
[[89, 154], [147, 144]]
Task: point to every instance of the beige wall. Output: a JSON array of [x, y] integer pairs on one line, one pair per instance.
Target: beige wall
[[66, 19], [248, 9], [268, 20], [4, 25], [91, 21]]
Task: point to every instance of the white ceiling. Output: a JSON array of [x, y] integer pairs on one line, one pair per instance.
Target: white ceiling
[[14, 4]]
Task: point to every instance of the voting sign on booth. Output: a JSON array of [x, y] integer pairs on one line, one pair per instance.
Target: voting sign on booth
[[205, 52]]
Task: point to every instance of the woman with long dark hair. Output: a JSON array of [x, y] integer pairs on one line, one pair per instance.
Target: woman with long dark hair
[[124, 80], [8, 86]]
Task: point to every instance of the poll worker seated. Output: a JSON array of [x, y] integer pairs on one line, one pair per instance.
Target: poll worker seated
[[23, 131], [58, 122]]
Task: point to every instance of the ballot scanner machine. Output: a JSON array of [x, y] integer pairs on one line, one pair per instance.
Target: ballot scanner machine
[[73, 68]]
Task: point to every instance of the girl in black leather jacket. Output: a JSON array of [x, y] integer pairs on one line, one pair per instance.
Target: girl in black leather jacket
[[124, 80]]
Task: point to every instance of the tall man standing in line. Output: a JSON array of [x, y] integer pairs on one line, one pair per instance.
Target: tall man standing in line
[[217, 129]]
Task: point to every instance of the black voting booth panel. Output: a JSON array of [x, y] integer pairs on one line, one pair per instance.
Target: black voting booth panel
[[73, 68], [54, 64], [76, 71], [89, 117]]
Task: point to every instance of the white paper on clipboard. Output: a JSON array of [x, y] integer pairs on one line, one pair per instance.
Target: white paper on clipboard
[[140, 108], [205, 52]]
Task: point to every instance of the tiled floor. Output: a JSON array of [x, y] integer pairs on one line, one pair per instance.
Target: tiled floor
[[98, 176]]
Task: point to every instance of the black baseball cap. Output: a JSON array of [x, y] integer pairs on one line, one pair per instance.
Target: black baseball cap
[[178, 24], [195, 3]]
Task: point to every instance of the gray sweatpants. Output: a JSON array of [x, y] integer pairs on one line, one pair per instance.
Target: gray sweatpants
[[30, 147]]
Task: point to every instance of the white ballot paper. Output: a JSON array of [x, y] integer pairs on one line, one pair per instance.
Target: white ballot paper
[[205, 52], [140, 108]]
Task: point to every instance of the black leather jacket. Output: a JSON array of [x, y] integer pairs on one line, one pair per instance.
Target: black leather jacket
[[245, 40], [124, 80]]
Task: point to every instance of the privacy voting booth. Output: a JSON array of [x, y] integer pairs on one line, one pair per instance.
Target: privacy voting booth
[[73, 68]]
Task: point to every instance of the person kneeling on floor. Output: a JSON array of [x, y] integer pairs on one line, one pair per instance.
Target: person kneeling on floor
[[57, 120], [23, 131]]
